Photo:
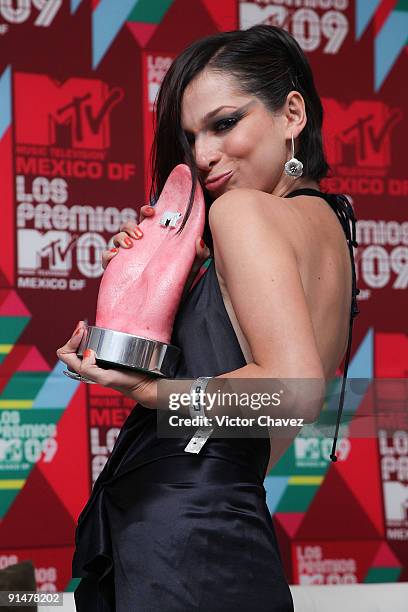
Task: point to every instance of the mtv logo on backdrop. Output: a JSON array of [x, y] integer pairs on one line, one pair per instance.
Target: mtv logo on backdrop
[[49, 251], [54, 252], [73, 114], [253, 13], [10, 450], [359, 134]]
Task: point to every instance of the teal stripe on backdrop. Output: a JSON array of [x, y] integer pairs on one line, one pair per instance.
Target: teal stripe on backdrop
[[388, 44], [74, 5], [365, 10], [5, 100], [107, 19], [57, 390]]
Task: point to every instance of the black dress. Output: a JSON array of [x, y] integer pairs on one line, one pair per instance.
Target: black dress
[[169, 531]]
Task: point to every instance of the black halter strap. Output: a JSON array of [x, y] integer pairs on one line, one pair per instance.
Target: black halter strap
[[345, 213]]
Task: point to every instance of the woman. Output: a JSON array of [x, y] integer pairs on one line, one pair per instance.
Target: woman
[[174, 531]]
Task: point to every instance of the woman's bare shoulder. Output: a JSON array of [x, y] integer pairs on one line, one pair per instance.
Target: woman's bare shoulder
[[241, 198], [290, 218], [315, 225], [243, 205]]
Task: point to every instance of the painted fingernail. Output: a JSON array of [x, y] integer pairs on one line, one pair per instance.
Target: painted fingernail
[[138, 232], [202, 243], [77, 331], [87, 353], [149, 209], [128, 241], [113, 250]]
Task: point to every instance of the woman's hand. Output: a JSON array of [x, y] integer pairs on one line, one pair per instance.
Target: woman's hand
[[140, 387], [131, 231]]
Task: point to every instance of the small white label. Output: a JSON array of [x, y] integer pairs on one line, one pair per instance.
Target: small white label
[[170, 218]]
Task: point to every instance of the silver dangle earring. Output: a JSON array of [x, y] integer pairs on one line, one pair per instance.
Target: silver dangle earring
[[294, 167]]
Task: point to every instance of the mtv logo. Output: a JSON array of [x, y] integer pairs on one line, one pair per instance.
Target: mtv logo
[[51, 250], [307, 448], [359, 134], [75, 113], [251, 14], [10, 450], [396, 501]]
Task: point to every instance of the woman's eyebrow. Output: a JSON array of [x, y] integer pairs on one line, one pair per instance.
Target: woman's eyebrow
[[217, 110], [214, 112]]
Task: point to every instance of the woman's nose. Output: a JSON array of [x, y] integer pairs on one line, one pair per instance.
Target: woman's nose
[[206, 153]]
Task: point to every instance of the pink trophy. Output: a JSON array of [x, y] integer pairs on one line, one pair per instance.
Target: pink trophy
[[141, 288]]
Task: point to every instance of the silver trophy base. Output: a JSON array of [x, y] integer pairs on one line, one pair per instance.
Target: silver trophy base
[[120, 350]]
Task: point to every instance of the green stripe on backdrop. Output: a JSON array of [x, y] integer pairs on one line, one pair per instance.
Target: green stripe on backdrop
[[7, 496], [147, 11], [402, 5], [11, 328], [296, 498], [382, 574], [24, 385], [72, 585]]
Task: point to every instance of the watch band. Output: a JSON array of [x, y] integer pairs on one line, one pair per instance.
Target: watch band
[[197, 407]]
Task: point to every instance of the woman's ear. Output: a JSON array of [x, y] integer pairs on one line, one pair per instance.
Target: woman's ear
[[295, 113]]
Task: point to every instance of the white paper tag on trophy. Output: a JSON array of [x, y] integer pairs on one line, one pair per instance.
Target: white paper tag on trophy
[[198, 440], [170, 218]]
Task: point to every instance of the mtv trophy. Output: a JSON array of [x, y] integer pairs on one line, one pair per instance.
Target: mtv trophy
[[141, 288]]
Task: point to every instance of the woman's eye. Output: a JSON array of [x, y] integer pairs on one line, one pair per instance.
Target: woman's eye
[[225, 124], [219, 126]]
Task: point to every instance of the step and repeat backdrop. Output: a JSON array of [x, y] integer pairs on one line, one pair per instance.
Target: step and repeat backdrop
[[78, 80]]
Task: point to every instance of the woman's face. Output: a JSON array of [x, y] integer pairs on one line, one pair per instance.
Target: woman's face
[[243, 138]]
